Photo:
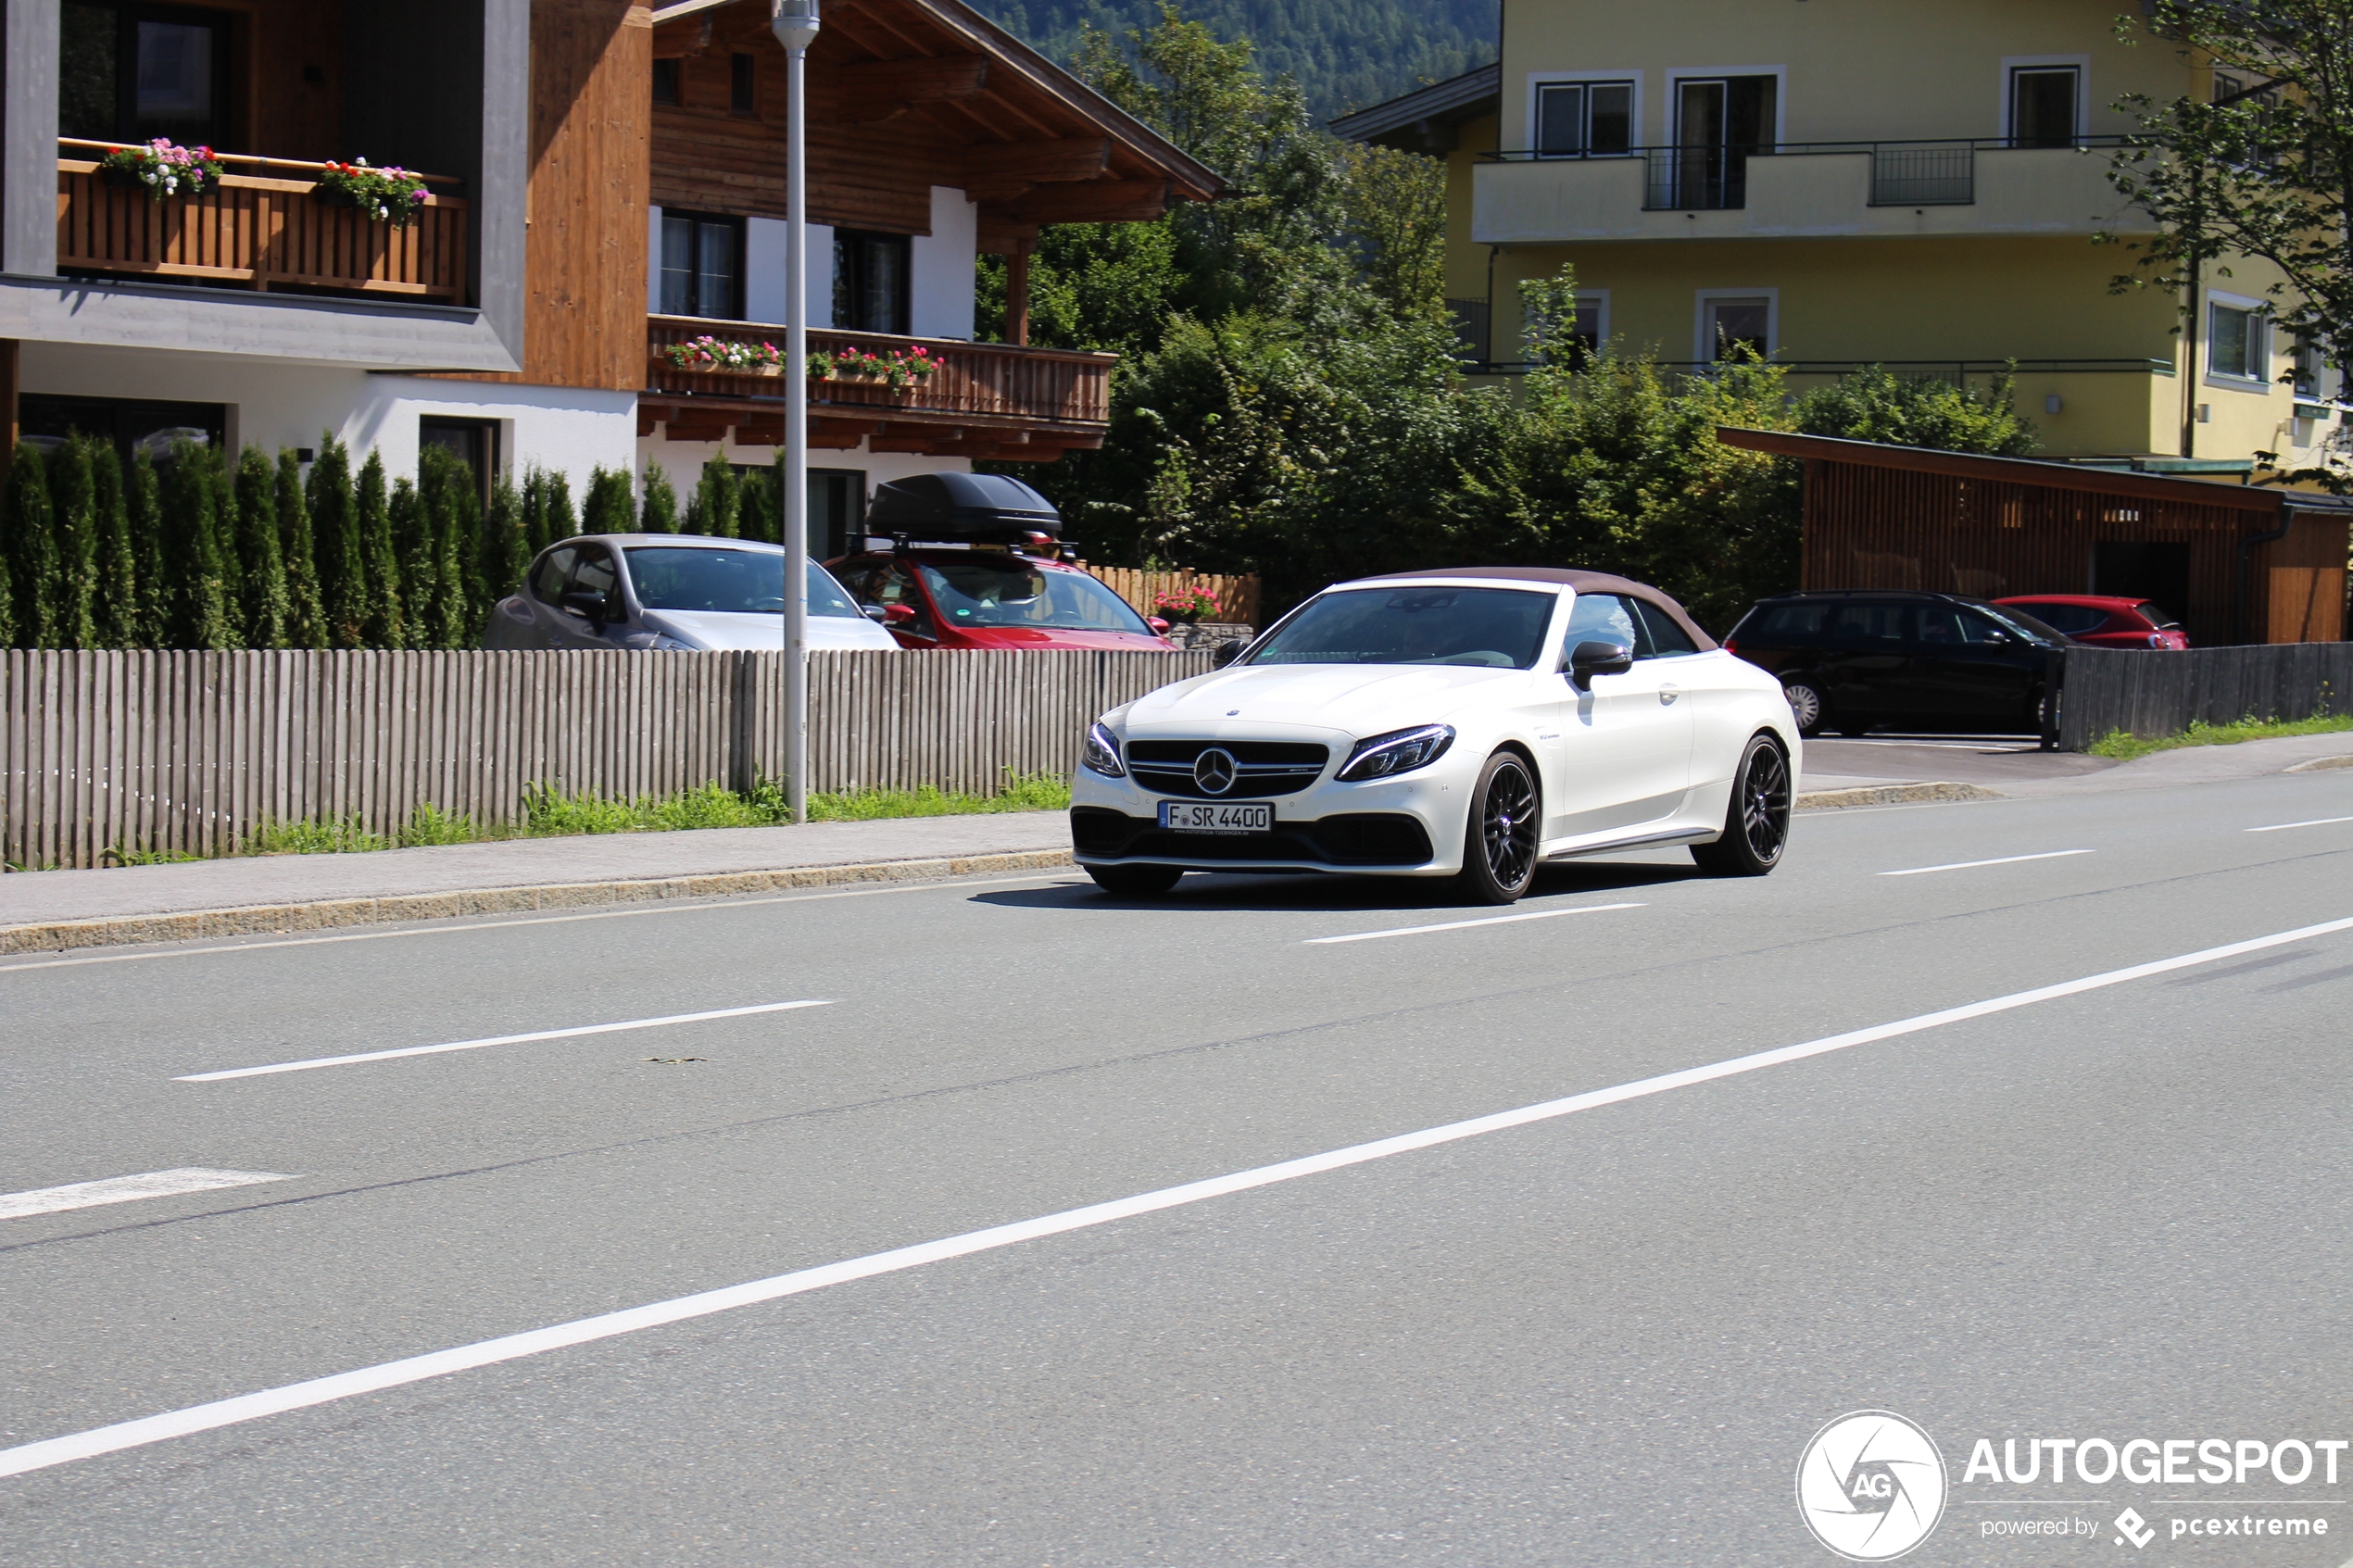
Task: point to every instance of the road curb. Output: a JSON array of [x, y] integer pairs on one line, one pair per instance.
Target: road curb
[[2321, 764], [275, 919], [1892, 794]]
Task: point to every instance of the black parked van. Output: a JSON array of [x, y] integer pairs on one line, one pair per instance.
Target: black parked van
[[1860, 659]]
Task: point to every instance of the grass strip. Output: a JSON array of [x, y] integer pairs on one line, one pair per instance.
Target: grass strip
[[2123, 746]]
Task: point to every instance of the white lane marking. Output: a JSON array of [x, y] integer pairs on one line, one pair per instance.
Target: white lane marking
[[488, 1352], [123, 1189], [495, 1040], [2315, 822], [2004, 861], [721, 901], [1463, 924]]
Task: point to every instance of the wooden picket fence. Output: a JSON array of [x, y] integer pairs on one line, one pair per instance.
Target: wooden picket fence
[[1237, 597], [190, 752], [2153, 692]]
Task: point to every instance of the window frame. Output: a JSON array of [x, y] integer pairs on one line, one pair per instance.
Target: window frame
[[743, 84], [2014, 65], [856, 241], [1704, 349], [2259, 344], [669, 83], [228, 28], [1540, 80], [695, 270]]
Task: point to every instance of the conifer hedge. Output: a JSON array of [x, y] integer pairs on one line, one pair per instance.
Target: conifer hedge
[[199, 551]]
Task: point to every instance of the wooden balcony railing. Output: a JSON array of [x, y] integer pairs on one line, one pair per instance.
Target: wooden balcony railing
[[986, 383], [272, 228]]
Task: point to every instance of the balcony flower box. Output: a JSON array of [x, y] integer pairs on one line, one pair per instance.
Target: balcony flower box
[[161, 168], [389, 196]]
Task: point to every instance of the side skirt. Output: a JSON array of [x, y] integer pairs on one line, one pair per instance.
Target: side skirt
[[1637, 841]]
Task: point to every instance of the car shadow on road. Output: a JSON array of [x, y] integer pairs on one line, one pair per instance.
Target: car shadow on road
[[1209, 892]]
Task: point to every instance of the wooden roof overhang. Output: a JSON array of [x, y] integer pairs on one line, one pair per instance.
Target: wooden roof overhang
[[1026, 141], [2029, 472]]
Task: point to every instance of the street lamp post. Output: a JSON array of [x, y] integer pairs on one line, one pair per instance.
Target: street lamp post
[[795, 24]]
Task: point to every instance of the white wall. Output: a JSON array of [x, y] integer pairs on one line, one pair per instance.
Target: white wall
[[942, 268], [765, 295], [682, 460], [273, 405]]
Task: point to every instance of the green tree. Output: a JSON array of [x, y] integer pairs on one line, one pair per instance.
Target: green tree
[[74, 503], [660, 514], [117, 612], [1392, 205], [412, 548], [387, 625], [759, 505], [712, 510], [547, 498], [226, 528], [198, 604], [156, 597], [264, 577], [1875, 404], [342, 553], [505, 549], [2262, 168], [607, 507], [29, 548], [449, 498], [306, 622]]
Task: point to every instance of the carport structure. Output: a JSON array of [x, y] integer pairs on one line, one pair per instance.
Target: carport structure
[[2237, 563]]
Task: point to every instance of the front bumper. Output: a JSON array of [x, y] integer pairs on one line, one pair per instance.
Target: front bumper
[[1353, 841]]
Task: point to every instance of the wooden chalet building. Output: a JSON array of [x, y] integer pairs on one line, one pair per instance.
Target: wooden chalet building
[[606, 178]]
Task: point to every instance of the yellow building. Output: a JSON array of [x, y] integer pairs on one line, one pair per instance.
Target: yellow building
[[1838, 182]]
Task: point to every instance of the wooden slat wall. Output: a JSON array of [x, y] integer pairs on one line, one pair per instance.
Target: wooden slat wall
[[2163, 694], [1237, 597], [190, 752], [1869, 527]]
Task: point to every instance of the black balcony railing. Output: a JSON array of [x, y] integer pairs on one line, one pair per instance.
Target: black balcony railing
[[1708, 179]]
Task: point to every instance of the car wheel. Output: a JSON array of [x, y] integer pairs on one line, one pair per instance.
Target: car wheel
[[1805, 706], [1756, 822], [1135, 882], [1499, 851]]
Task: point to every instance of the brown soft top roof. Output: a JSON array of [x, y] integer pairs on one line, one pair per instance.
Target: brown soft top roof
[[1583, 581]]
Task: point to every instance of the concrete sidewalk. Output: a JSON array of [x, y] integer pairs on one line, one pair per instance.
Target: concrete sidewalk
[[49, 910]]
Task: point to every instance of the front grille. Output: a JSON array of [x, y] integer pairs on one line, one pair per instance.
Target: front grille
[[1354, 838], [1262, 768]]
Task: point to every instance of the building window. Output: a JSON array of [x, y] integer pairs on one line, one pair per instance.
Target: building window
[[742, 82], [1584, 118], [869, 282], [130, 73], [2043, 106], [667, 82], [702, 266], [2237, 348], [1733, 326], [473, 441], [135, 427]]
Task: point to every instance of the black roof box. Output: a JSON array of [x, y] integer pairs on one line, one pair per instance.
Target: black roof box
[[961, 505]]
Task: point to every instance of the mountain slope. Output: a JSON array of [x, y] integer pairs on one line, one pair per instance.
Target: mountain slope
[[1345, 53]]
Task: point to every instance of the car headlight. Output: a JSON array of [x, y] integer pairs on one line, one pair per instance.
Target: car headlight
[[1399, 751], [1100, 754]]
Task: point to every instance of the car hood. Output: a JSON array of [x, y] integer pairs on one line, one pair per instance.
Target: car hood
[[718, 631], [1054, 637], [1357, 699]]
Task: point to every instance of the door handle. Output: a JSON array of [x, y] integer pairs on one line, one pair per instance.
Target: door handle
[[1668, 694]]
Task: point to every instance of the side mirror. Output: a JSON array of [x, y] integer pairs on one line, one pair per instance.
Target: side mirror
[[580, 601], [1157, 624], [873, 612], [898, 615], [1590, 659], [1229, 651]]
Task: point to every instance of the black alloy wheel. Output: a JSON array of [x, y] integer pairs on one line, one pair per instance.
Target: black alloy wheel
[[1757, 819], [1499, 852], [1135, 882], [1805, 705]]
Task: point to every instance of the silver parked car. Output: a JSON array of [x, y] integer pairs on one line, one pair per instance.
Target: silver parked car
[[682, 592]]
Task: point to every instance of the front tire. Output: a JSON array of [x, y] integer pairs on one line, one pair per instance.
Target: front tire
[[1757, 821], [1499, 848], [1135, 882]]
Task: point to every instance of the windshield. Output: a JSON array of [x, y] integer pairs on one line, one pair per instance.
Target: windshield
[[727, 582], [1499, 628], [998, 590], [2018, 620]]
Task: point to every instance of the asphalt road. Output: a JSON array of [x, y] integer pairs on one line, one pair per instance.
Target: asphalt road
[[1602, 1336]]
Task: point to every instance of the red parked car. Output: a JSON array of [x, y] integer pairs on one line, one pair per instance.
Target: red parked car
[[2104, 622], [973, 564]]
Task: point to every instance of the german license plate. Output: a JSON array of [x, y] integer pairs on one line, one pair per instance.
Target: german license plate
[[1217, 815]]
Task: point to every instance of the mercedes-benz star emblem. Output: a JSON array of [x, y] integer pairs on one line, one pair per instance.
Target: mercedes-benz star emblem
[[1213, 770]]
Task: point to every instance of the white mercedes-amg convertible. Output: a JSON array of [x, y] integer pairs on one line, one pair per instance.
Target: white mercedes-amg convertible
[[1471, 725]]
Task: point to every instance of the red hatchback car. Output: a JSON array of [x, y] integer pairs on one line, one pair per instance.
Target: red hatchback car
[[972, 565], [2104, 622]]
